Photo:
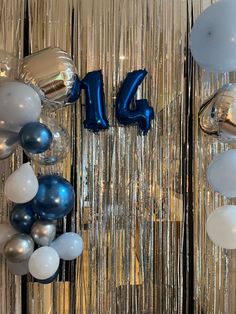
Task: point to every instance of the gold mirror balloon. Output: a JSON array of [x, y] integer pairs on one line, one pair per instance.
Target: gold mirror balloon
[[52, 73], [217, 116]]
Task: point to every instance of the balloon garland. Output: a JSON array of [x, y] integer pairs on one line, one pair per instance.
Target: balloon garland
[[44, 82], [213, 46]]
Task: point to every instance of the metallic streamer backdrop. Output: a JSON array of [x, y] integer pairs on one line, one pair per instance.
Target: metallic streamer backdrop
[[134, 194]]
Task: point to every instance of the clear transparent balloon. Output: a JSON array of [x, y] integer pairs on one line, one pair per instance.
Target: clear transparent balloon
[[9, 66], [59, 147]]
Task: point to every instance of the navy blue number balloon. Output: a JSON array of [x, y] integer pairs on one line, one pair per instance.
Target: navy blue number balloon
[[143, 114], [95, 104], [22, 217], [75, 91], [55, 197], [35, 137]]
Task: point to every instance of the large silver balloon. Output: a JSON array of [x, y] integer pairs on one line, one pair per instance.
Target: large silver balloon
[[19, 248], [8, 143], [59, 147], [217, 116], [52, 73], [43, 232]]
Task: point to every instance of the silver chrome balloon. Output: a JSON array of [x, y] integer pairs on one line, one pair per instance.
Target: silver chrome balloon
[[8, 143], [59, 147], [19, 248], [52, 73], [217, 116], [43, 232]]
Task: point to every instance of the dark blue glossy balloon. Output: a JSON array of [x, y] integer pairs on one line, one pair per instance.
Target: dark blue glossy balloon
[[55, 197], [22, 217], [50, 279], [95, 104], [35, 137], [143, 114], [75, 91]]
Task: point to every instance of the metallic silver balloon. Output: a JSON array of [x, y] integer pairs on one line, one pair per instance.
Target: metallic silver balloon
[[19, 248], [59, 147], [217, 116], [43, 232], [8, 143], [52, 73]]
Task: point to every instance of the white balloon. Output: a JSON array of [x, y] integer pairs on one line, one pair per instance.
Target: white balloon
[[43, 263], [18, 269], [20, 104], [69, 246], [22, 185], [213, 37], [221, 226], [6, 232], [221, 173]]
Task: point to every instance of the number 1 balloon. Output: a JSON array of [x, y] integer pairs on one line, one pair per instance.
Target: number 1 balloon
[[213, 37], [22, 185], [8, 143], [217, 116]]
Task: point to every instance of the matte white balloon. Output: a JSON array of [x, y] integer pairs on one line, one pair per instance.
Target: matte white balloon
[[213, 37], [18, 269], [68, 246], [44, 263], [22, 185], [6, 232], [20, 104], [221, 173], [221, 226]]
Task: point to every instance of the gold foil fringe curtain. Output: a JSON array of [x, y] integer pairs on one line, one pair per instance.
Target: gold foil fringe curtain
[[132, 191]]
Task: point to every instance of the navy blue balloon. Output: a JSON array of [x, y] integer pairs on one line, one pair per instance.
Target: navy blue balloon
[[95, 104], [143, 113], [75, 91], [35, 137], [55, 197], [22, 217], [50, 279]]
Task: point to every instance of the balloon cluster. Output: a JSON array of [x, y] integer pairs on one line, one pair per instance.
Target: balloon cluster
[[213, 46], [40, 202]]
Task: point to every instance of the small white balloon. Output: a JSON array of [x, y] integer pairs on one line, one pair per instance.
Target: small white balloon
[[44, 263], [221, 173], [213, 37], [22, 185], [6, 232], [221, 226], [69, 246], [18, 269], [20, 104]]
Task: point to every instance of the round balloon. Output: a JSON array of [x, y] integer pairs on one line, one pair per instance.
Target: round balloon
[[35, 137], [55, 197], [221, 226], [20, 104], [18, 269], [22, 217], [68, 246], [8, 143], [6, 232], [59, 147], [52, 72], [19, 248], [50, 279], [213, 37], [22, 185], [44, 263], [43, 232], [221, 173], [217, 116]]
